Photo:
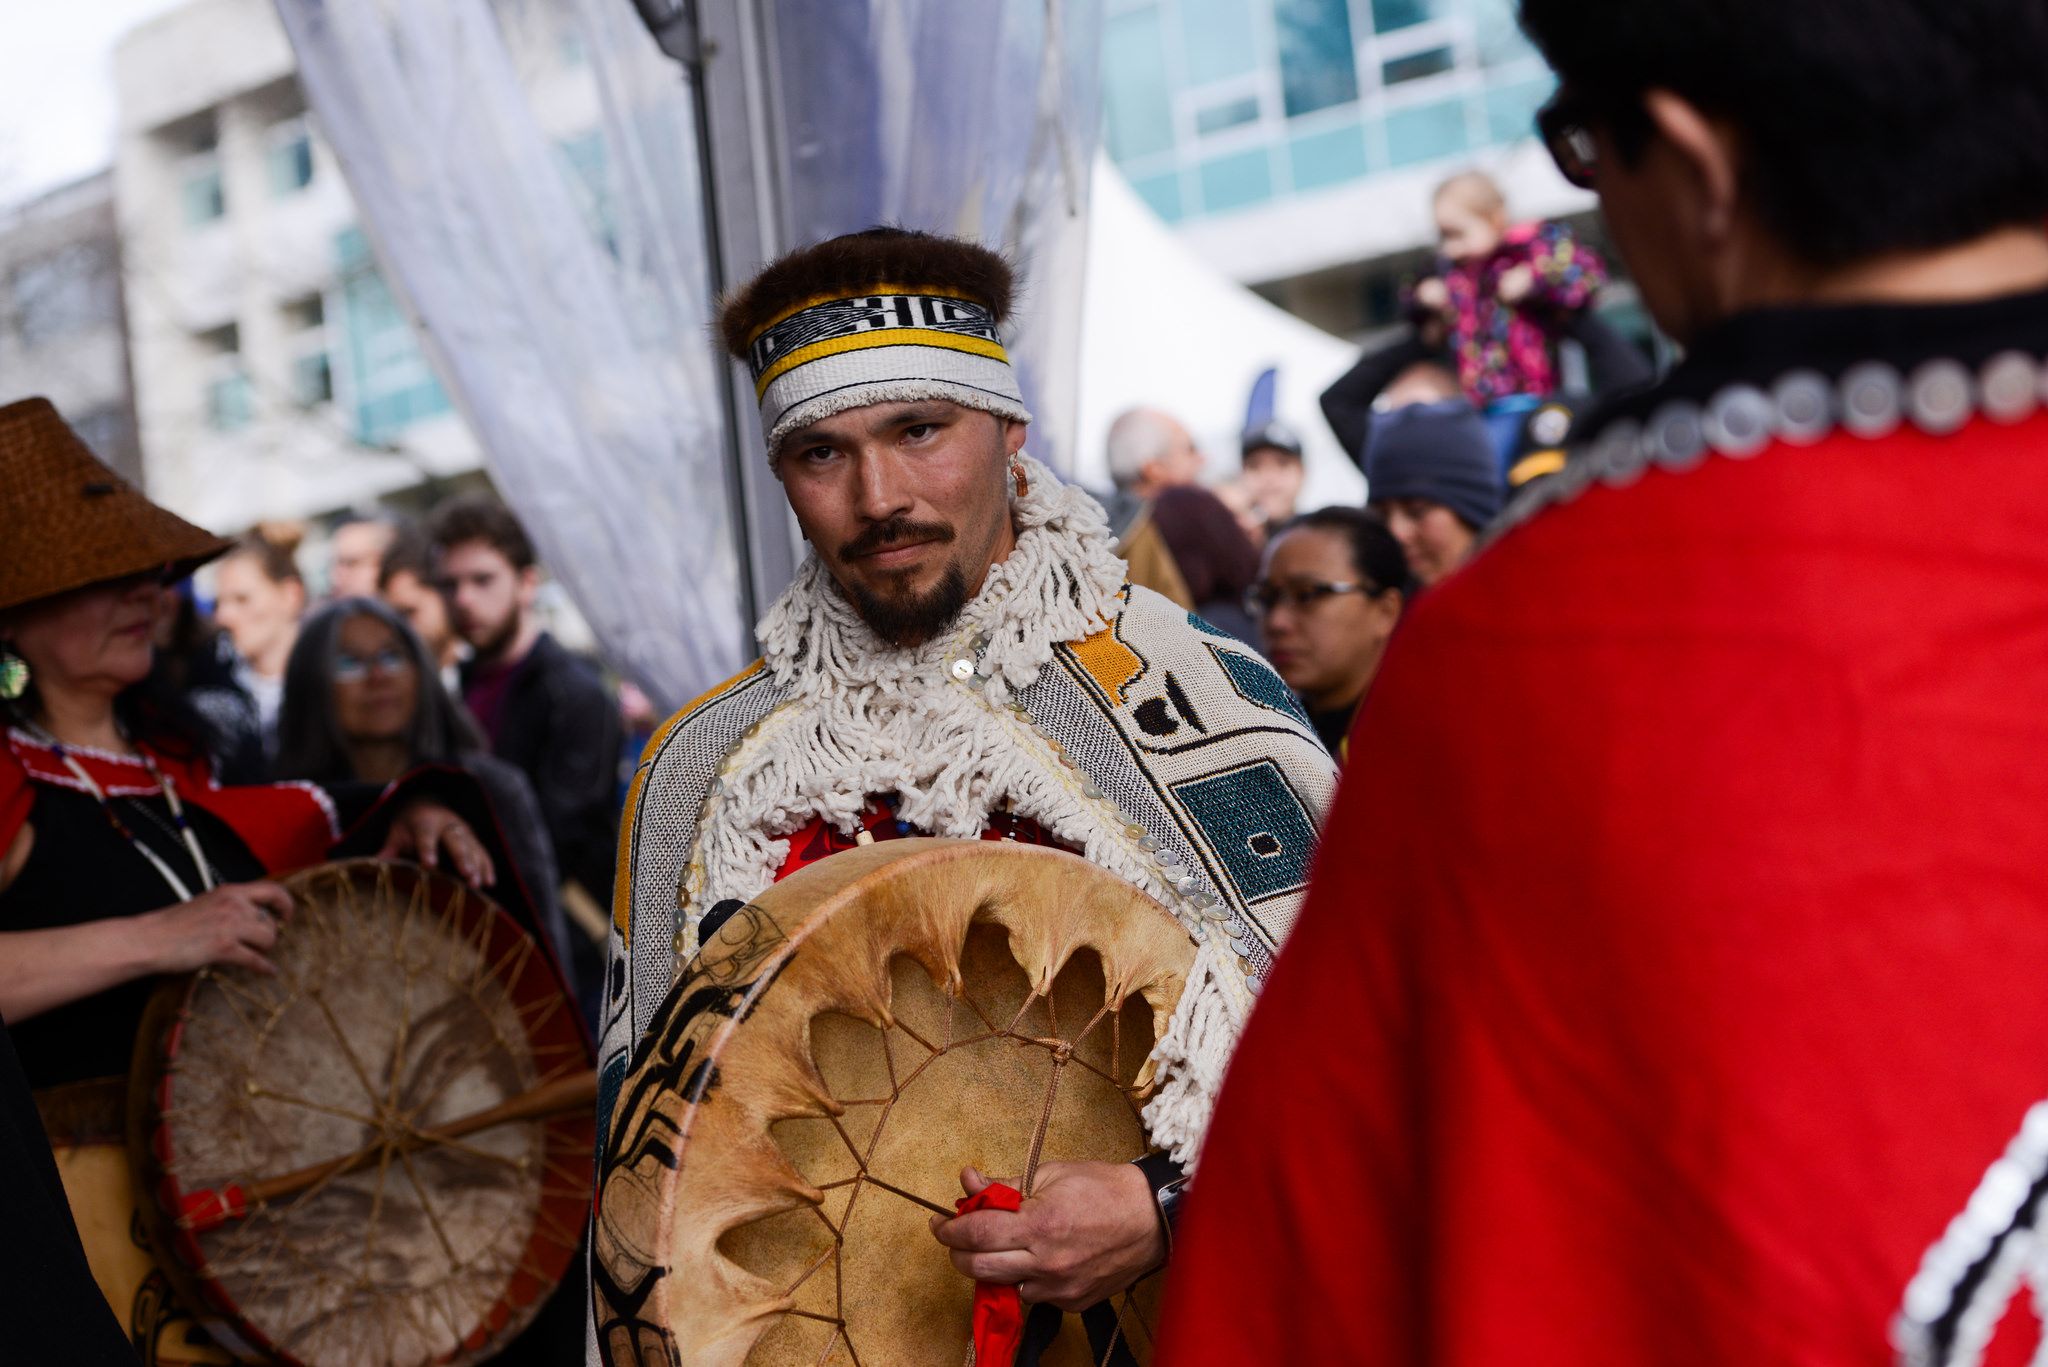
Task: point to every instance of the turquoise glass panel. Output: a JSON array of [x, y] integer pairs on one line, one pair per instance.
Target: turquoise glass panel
[[1163, 194], [1229, 114], [1428, 132], [204, 197], [1137, 97], [1318, 64], [1388, 15], [1217, 39], [391, 384], [1235, 181], [1330, 158], [1511, 109]]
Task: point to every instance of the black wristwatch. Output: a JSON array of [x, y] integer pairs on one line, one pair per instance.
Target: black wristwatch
[[1168, 1182]]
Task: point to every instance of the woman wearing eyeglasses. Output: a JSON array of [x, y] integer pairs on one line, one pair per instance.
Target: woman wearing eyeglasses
[[1328, 596], [363, 701]]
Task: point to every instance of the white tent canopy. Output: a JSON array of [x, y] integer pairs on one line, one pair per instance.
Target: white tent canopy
[[1162, 329]]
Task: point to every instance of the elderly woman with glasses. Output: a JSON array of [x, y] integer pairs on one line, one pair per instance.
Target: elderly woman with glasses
[[122, 856], [1328, 596]]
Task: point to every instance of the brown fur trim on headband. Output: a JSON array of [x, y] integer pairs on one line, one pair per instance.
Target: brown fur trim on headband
[[859, 261]]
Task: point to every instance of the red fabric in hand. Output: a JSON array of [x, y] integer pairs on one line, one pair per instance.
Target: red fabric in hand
[[998, 1310]]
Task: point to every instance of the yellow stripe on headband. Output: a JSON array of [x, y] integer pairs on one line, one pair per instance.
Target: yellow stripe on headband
[[879, 337], [837, 296]]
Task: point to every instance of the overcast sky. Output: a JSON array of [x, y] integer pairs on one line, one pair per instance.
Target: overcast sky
[[57, 88]]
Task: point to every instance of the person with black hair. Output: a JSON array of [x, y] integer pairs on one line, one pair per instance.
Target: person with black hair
[[1696, 905], [364, 704], [409, 581], [1329, 595]]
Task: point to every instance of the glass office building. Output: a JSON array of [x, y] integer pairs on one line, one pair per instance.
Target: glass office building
[[1214, 106], [1293, 143]]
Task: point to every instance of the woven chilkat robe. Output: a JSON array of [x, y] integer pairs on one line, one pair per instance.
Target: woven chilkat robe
[[1160, 749]]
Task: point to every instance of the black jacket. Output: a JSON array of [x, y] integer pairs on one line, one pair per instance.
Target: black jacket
[[1617, 366], [559, 725]]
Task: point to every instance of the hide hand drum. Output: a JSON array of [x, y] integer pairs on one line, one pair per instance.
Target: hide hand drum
[[819, 1074], [381, 1155]]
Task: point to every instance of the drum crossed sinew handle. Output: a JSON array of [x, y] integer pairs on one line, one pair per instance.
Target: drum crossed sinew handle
[[865, 1024], [572, 1095], [380, 1155]]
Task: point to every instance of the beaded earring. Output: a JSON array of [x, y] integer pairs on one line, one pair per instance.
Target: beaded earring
[[1020, 483], [13, 676]]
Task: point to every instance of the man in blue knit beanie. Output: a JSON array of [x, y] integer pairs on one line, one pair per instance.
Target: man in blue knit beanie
[[1432, 474]]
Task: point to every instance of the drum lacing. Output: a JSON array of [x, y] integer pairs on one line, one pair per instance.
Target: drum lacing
[[1062, 1052]]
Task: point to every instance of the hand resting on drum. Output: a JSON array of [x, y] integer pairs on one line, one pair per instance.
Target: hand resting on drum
[[231, 924], [1087, 1231], [424, 830]]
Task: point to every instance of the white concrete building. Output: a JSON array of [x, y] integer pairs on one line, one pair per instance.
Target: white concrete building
[[276, 376], [63, 332]]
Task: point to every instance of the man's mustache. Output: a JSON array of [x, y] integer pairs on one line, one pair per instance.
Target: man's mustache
[[897, 531]]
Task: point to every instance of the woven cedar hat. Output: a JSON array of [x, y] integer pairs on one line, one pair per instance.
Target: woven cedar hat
[[67, 521]]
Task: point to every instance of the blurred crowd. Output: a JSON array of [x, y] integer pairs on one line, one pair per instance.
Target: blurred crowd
[[427, 648]]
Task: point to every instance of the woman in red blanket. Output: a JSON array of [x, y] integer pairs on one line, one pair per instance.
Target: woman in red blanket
[[1672, 992]]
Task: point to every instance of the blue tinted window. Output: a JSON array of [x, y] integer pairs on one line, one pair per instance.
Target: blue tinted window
[[1417, 65], [1330, 158], [1511, 109], [204, 196], [291, 164], [1217, 39], [312, 380], [389, 378], [1235, 181], [1163, 194], [1317, 65], [230, 403], [1136, 96], [1427, 132], [1229, 114], [1388, 15], [1498, 32]]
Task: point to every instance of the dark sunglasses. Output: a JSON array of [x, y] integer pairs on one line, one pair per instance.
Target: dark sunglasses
[[1566, 127]]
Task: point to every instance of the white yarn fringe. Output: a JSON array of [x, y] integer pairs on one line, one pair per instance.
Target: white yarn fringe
[[862, 717], [1195, 1051]]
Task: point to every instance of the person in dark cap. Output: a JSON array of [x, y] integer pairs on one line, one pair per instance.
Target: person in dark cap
[[1273, 473], [1432, 474]]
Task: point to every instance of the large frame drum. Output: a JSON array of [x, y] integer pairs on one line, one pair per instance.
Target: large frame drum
[[382, 1154], [823, 1069]]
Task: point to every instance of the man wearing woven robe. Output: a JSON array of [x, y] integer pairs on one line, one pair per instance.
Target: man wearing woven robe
[[1694, 925], [961, 656]]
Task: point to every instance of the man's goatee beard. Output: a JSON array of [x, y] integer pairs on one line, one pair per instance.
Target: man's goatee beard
[[913, 620]]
